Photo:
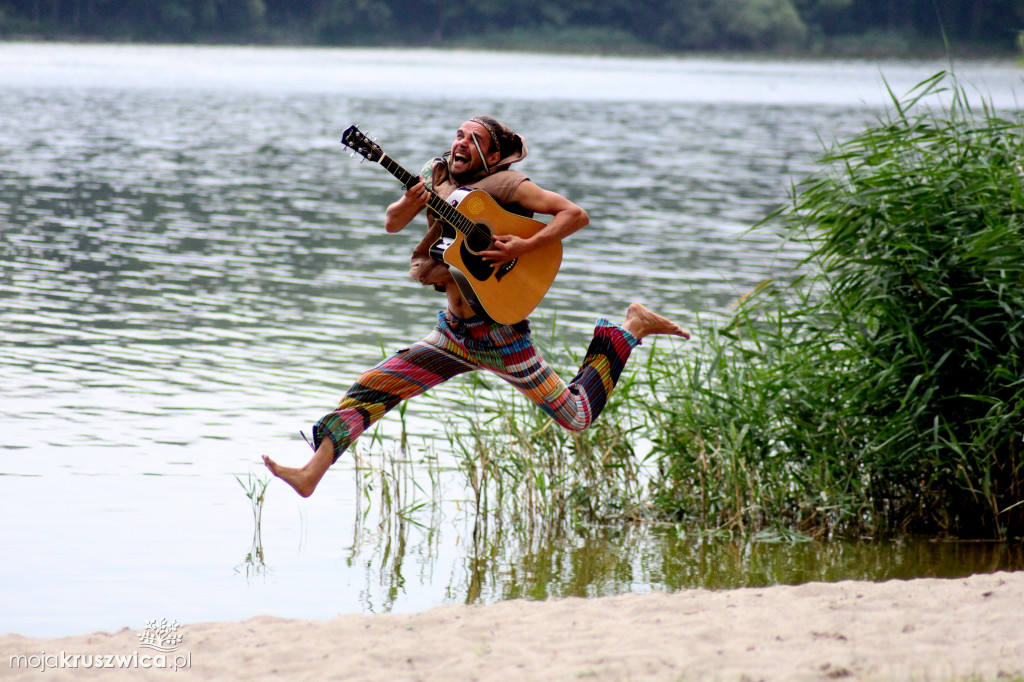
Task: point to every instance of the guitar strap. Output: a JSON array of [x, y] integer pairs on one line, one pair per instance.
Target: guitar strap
[[483, 159]]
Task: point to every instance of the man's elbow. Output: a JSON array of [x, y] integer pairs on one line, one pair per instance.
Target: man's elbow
[[582, 219], [393, 223]]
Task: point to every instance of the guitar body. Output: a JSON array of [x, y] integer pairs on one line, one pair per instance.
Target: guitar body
[[510, 293]]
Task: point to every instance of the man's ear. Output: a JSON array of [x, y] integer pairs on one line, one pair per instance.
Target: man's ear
[[493, 158]]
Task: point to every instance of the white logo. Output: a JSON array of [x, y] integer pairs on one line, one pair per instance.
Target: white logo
[[162, 636], [159, 636]]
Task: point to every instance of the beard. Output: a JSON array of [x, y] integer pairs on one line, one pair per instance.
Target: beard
[[470, 173], [463, 178]]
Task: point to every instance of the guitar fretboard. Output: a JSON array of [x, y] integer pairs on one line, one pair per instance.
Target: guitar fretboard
[[442, 208]]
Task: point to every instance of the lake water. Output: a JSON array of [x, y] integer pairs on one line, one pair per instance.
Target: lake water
[[194, 269]]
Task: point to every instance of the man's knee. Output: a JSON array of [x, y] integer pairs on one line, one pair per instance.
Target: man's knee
[[572, 422]]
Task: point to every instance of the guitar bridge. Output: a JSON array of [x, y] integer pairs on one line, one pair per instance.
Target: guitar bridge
[[505, 269]]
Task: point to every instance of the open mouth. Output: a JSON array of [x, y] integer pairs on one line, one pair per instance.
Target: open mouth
[[461, 158]]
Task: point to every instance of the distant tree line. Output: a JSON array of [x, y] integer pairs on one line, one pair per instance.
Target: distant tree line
[[669, 25]]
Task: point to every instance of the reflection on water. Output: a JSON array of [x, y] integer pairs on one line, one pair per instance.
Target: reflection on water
[[404, 554], [603, 562], [193, 270]]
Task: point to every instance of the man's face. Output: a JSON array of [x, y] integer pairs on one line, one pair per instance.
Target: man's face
[[465, 159]]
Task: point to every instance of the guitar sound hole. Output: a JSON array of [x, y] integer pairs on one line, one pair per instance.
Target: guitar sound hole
[[479, 238]]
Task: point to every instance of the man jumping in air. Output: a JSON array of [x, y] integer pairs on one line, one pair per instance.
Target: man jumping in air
[[465, 340]]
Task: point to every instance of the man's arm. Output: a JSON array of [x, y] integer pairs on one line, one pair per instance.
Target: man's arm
[[401, 213], [566, 218]]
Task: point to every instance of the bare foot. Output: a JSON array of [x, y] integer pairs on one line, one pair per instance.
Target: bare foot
[[305, 479], [641, 322]]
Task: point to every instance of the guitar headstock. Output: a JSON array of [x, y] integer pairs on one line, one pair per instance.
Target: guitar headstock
[[354, 139]]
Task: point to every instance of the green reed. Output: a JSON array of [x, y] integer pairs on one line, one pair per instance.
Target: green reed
[[395, 481], [256, 490], [523, 468], [879, 388]]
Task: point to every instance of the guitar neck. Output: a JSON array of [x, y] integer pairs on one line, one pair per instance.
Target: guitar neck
[[442, 208]]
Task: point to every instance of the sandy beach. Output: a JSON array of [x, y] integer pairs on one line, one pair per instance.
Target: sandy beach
[[926, 629]]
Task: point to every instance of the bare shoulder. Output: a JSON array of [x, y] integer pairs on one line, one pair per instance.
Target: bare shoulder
[[532, 196]]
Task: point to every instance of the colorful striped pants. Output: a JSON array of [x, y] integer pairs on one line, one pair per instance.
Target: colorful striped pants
[[456, 346]]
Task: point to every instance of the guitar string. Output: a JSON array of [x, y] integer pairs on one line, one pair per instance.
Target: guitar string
[[450, 214]]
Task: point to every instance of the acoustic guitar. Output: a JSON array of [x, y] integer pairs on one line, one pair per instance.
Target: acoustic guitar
[[470, 219]]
